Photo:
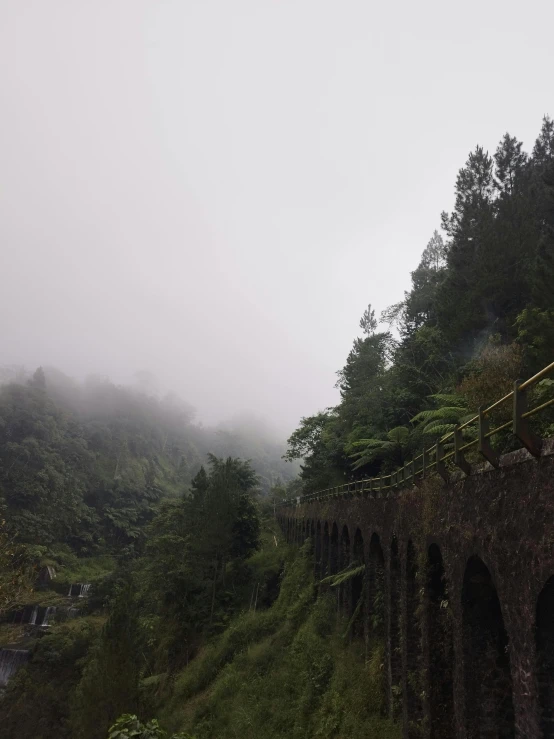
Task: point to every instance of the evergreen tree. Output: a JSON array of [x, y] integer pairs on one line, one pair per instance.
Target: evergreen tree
[[510, 163], [39, 379], [109, 685], [492, 279], [368, 322], [543, 151], [543, 272]]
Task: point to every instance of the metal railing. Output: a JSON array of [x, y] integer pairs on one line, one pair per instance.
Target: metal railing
[[434, 459]]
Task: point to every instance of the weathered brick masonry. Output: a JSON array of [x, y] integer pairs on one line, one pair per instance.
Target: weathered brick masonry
[[468, 583]]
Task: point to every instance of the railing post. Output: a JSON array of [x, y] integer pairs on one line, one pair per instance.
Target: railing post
[[381, 484], [424, 464], [459, 459], [441, 466], [484, 447], [521, 429]]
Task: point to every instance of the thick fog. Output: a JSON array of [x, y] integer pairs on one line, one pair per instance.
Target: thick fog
[[212, 191]]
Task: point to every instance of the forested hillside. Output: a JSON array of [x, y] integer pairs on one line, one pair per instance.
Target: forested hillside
[[85, 464], [479, 314], [166, 589]]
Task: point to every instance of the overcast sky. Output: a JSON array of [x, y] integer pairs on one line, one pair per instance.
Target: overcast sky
[[213, 190]]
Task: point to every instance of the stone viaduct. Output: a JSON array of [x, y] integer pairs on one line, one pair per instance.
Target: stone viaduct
[[459, 585]]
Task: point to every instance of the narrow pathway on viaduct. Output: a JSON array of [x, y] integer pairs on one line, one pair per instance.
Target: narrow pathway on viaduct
[[465, 574]]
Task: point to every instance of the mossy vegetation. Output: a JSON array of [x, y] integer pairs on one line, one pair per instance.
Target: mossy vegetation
[[283, 672], [74, 569]]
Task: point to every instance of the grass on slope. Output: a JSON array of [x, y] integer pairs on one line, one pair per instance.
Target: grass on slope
[[283, 672]]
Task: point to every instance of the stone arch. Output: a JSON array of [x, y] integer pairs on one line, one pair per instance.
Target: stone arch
[[317, 551], [412, 702], [358, 594], [394, 632], [344, 590], [544, 636], [440, 652], [325, 550], [488, 682], [376, 590], [334, 550]]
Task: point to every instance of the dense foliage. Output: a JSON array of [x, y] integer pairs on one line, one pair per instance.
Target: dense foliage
[[148, 617], [479, 314], [85, 465], [284, 671], [199, 615]]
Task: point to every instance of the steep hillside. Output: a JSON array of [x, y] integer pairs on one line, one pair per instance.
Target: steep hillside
[[288, 671]]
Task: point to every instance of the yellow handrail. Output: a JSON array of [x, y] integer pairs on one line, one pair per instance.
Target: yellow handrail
[[518, 424]]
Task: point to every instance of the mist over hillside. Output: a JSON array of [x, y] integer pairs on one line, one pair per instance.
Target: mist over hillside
[[256, 256], [86, 464], [171, 421]]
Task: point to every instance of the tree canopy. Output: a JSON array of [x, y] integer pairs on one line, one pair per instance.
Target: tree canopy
[[479, 314]]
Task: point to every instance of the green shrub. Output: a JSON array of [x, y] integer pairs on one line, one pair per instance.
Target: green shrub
[[285, 672]]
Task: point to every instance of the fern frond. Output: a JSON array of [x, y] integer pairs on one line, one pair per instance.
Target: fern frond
[[423, 416], [398, 435], [344, 575], [368, 442], [361, 462], [439, 428], [449, 411], [358, 454], [445, 398]]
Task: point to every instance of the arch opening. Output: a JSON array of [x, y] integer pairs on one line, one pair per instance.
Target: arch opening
[[544, 635], [358, 599], [376, 588], [488, 682], [317, 549], [325, 551], [394, 641], [345, 589], [413, 646], [334, 550], [375, 622], [440, 649]]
